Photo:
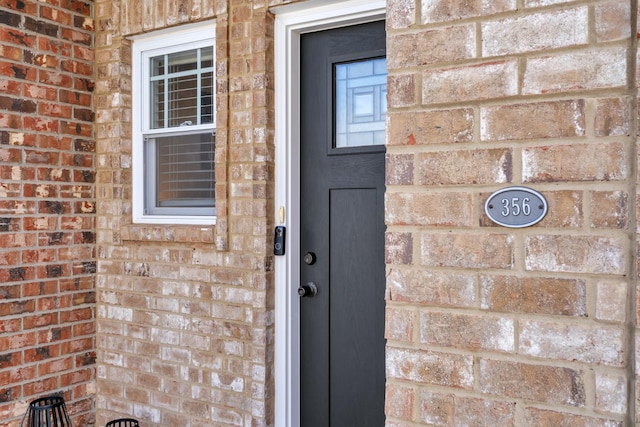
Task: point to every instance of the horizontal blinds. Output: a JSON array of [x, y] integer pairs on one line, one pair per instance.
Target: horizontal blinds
[[182, 92], [185, 170]]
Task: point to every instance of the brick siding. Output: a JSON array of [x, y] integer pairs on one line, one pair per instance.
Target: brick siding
[[47, 207], [495, 326], [185, 313], [485, 325]]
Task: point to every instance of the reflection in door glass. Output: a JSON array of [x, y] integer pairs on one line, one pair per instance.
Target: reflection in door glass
[[360, 103]]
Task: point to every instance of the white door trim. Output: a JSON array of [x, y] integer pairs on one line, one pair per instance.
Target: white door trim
[[291, 21]]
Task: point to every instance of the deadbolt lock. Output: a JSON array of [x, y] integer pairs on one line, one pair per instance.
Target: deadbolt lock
[[309, 258]]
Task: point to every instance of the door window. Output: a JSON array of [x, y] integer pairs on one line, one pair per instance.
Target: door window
[[360, 103]]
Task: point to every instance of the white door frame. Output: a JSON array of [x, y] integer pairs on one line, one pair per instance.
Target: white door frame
[[292, 21]]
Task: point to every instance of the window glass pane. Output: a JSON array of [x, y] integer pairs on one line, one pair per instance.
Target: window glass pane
[[157, 65], [183, 61], [360, 103], [206, 99], [206, 57], [183, 101], [185, 95], [185, 171], [158, 104]]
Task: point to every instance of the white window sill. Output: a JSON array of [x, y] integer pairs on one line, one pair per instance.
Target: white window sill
[[175, 220]]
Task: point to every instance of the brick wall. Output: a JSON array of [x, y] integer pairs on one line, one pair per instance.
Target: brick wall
[[47, 207], [512, 327], [185, 329]]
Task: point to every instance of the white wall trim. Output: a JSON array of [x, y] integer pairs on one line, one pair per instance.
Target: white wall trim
[[292, 21]]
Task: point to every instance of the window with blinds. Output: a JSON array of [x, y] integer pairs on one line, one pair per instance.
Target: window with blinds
[[179, 133], [182, 88], [180, 174]]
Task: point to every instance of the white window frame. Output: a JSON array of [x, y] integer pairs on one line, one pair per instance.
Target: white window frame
[[144, 46]]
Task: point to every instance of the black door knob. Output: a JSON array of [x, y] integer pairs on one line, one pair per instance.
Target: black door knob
[[309, 290]]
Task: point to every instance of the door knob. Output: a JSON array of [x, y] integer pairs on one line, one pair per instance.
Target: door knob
[[309, 290]]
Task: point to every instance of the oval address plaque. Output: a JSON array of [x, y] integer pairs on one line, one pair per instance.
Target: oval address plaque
[[516, 207]]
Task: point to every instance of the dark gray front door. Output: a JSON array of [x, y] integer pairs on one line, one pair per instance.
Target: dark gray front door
[[343, 92]]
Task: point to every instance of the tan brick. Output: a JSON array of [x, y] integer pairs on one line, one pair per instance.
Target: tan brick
[[610, 209], [564, 209], [429, 367], [392, 423], [544, 417], [553, 296], [477, 82], [613, 117], [432, 288], [613, 20], [538, 31], [637, 400], [552, 120], [224, 416], [402, 90], [447, 10], [401, 14], [430, 47], [399, 169], [533, 382], [475, 412], [539, 3], [195, 274], [437, 409], [398, 248], [399, 324], [611, 393], [572, 254], [611, 300], [467, 250], [491, 166], [399, 401], [429, 209], [580, 162], [227, 382], [470, 332], [637, 115], [431, 127], [136, 394], [589, 69], [597, 344]]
